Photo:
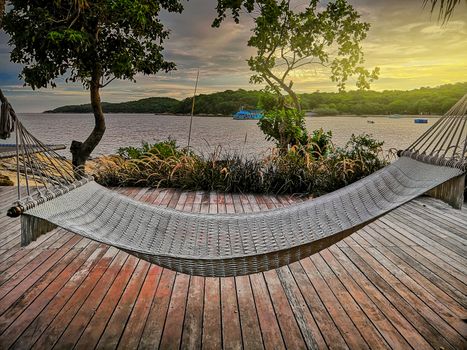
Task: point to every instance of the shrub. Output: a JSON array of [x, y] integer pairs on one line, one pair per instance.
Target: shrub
[[315, 168], [163, 149], [284, 126]]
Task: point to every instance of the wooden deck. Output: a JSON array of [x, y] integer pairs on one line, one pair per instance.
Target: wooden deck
[[399, 283]]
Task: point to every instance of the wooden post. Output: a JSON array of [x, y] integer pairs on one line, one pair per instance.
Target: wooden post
[[33, 227], [450, 192]]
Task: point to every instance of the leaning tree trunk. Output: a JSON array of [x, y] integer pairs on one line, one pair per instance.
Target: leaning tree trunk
[[287, 88], [2, 10], [82, 150]]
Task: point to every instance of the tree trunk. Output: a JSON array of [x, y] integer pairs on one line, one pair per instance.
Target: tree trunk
[[288, 88], [2, 11], [82, 150]]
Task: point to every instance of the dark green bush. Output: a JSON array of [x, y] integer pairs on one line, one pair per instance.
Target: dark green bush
[[163, 149], [284, 126]]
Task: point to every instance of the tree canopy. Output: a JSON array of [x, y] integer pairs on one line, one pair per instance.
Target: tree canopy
[[93, 42], [87, 39], [289, 38]]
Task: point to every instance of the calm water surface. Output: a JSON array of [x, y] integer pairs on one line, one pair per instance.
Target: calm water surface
[[208, 132]]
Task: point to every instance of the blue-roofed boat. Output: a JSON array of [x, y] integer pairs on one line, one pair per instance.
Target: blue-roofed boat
[[247, 114], [421, 121]]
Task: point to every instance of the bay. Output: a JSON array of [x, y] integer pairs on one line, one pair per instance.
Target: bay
[[242, 136]]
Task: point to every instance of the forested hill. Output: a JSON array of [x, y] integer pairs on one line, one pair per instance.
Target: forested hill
[[419, 101]]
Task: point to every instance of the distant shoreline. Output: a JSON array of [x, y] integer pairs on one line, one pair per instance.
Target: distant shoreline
[[401, 116], [423, 101]]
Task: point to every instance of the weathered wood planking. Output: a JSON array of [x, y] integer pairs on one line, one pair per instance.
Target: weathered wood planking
[[400, 282]]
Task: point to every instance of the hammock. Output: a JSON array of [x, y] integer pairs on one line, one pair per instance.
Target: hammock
[[232, 244]]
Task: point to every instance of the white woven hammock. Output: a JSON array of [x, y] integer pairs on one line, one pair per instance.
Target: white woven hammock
[[238, 244]]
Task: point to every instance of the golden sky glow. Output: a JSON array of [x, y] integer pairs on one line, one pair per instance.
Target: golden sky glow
[[408, 44]]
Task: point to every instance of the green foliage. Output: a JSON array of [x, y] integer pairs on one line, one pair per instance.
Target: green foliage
[[163, 150], [147, 105], [320, 143], [366, 150], [225, 103], [284, 126], [326, 110], [87, 39], [425, 100], [295, 171]]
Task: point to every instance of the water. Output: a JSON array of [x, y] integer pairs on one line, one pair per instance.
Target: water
[[208, 132]]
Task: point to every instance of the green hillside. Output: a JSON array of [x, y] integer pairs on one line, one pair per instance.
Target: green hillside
[[418, 101], [146, 105]]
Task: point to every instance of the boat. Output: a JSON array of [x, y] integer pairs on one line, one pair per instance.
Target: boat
[[420, 121], [246, 114], [395, 116]]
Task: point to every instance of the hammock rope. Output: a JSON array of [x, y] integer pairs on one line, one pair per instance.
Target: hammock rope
[[445, 143], [227, 244], [46, 173]]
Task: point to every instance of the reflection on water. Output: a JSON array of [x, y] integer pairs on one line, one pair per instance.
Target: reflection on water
[[208, 132]]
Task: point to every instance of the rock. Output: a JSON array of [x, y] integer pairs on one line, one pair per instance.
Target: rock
[[5, 181]]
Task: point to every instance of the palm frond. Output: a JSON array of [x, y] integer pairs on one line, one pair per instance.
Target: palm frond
[[446, 8]]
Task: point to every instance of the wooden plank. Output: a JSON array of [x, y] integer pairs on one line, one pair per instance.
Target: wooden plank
[[424, 235], [430, 223], [81, 319], [172, 334], [343, 322], [251, 332], [231, 331], [193, 324], [412, 251], [289, 328], [303, 316], [439, 309], [212, 327], [410, 333], [440, 295], [135, 326], [427, 268], [365, 327], [387, 330], [401, 302], [47, 314], [453, 226], [327, 334], [48, 285], [272, 337], [433, 273], [58, 325], [21, 256], [35, 319], [12, 290], [403, 229], [114, 328], [154, 326]]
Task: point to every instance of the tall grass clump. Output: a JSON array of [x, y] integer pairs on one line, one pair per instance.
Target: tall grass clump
[[314, 168]]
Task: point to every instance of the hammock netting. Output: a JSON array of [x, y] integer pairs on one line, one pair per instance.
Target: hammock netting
[[228, 244]]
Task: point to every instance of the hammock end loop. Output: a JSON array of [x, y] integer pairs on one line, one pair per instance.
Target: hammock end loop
[[14, 212]]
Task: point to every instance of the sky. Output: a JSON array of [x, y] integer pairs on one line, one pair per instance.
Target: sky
[[409, 45]]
